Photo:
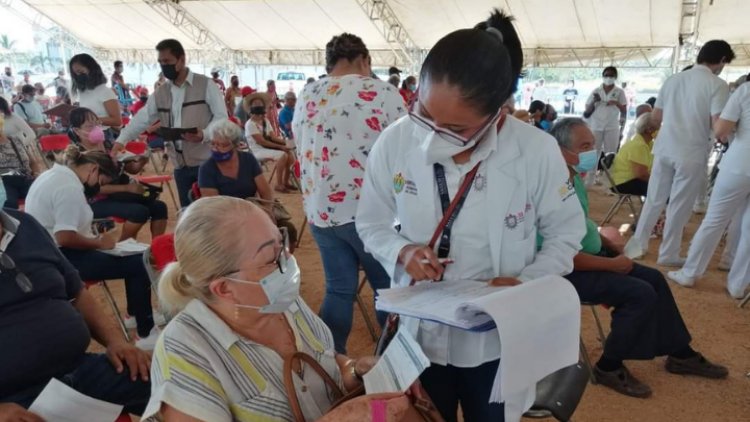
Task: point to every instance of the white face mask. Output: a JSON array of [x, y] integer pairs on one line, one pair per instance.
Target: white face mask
[[439, 146], [609, 81], [282, 289]]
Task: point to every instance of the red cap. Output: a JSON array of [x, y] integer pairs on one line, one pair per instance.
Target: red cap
[[246, 90]]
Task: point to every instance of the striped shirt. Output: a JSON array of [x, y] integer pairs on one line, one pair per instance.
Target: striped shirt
[[204, 369]]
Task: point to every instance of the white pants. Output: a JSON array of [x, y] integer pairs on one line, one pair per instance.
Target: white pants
[[733, 235], [731, 191], [606, 141], [676, 181]]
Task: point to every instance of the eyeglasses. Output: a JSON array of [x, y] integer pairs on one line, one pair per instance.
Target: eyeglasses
[[7, 264], [282, 259], [448, 135]]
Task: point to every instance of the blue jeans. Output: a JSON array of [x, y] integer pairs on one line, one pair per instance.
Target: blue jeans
[[343, 253], [96, 265], [96, 377], [184, 177], [449, 385]]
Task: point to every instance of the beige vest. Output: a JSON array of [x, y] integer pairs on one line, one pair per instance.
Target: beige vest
[[195, 113]]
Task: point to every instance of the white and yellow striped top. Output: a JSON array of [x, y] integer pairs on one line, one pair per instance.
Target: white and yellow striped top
[[204, 369]]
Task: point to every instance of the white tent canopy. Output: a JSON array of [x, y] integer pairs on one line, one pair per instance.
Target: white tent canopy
[[398, 31]]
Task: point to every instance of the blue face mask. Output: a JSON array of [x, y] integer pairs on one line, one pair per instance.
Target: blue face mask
[[221, 156], [3, 196], [587, 161], [413, 88]]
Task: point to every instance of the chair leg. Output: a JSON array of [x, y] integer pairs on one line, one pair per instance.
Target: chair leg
[[587, 360], [602, 337], [636, 214], [115, 309], [612, 210], [171, 194], [363, 310], [300, 232], [744, 301]]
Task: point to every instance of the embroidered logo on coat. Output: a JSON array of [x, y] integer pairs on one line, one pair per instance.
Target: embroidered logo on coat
[[398, 182]]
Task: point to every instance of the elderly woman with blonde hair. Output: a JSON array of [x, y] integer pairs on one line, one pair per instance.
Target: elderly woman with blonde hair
[[631, 168], [236, 290]]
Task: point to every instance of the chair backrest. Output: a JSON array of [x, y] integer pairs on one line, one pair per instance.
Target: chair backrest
[[605, 163], [50, 143], [560, 392], [162, 251]]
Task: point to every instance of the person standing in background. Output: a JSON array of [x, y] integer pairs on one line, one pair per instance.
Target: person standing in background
[[336, 122], [605, 112], [688, 104], [90, 85], [540, 92], [233, 95], [188, 101], [273, 109], [570, 95], [216, 77], [7, 82]]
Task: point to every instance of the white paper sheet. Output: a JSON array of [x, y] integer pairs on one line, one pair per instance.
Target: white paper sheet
[[399, 366], [126, 248], [60, 403], [539, 324]]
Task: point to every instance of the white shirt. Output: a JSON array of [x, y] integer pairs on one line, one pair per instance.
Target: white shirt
[[30, 111], [149, 114], [94, 99], [540, 93], [521, 188], [689, 99], [738, 110], [252, 128], [336, 122], [57, 202], [606, 116], [18, 128]]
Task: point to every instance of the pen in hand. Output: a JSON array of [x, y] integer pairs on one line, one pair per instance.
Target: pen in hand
[[440, 260]]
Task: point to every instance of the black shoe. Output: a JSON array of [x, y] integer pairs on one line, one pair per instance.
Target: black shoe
[[622, 381], [696, 365]]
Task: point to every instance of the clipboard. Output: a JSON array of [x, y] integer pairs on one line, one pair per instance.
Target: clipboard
[[61, 110], [174, 133]]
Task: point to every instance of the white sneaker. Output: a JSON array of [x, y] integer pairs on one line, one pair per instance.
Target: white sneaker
[[724, 265], [679, 262], [736, 295], [680, 278], [159, 319], [148, 343]]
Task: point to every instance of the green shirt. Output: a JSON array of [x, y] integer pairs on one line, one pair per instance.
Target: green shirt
[[592, 242]]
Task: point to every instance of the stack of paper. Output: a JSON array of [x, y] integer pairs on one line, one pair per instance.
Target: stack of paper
[[126, 248], [60, 403]]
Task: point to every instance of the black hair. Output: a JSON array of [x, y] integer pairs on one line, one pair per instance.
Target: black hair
[[483, 64], [171, 45], [4, 107], [118, 63], [715, 52], [536, 105], [28, 89], [688, 67], [77, 117], [345, 46], [96, 76], [408, 81], [651, 101], [610, 68]]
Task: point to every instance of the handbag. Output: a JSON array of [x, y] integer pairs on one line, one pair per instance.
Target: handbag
[[274, 208], [356, 406], [391, 323]]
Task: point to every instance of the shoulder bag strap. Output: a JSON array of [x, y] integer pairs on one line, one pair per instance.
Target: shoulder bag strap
[[21, 164], [291, 392]]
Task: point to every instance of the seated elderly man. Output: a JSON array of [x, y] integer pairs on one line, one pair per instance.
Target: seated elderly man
[[31, 111], [286, 115], [632, 166], [47, 319], [645, 320], [639, 111]]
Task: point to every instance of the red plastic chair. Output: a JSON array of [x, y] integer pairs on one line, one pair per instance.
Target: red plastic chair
[[161, 180], [51, 144], [157, 256], [125, 121], [112, 303]]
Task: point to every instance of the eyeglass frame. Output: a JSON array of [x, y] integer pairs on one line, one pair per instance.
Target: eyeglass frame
[[282, 259], [22, 280], [428, 124]]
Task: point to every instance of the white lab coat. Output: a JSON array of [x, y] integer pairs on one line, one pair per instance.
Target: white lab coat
[[526, 173]]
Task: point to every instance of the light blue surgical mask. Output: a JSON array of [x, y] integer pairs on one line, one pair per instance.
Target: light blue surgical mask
[[281, 288], [587, 161]]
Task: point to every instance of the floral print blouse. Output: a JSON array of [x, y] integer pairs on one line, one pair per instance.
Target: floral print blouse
[[336, 122]]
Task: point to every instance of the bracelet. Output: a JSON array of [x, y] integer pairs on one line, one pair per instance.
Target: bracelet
[[352, 364]]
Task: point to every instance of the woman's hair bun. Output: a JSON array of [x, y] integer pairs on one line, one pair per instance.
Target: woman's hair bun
[[72, 153]]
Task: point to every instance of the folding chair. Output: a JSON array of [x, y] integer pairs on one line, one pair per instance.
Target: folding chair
[[155, 259], [558, 394], [605, 164], [363, 310], [602, 338], [744, 301], [161, 179], [49, 144], [111, 300]]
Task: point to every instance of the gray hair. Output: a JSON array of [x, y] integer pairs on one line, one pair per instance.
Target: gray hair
[[226, 129], [643, 123], [562, 129], [643, 108]]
